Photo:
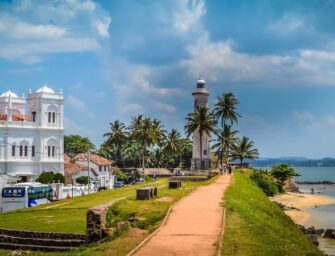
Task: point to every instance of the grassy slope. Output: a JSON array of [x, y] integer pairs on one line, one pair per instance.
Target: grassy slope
[[256, 226], [68, 216], [150, 212]]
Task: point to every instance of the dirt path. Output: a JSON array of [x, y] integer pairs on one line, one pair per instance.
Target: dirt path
[[193, 226]]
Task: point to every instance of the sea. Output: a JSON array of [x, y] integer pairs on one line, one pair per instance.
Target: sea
[[322, 216]]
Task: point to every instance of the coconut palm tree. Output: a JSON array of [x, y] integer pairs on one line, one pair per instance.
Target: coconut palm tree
[[185, 149], [171, 144], [225, 108], [226, 138], [146, 132], [117, 137], [244, 149], [202, 121]]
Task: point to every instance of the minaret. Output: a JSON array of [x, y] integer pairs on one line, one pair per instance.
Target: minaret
[[200, 95]]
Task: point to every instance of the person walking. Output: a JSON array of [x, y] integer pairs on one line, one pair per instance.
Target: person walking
[[229, 169]]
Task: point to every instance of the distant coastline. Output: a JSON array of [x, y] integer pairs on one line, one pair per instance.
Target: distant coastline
[[294, 161]]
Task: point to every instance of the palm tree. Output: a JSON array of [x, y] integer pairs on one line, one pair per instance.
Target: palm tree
[[185, 145], [171, 144], [201, 121], [226, 138], [146, 132], [244, 149], [117, 137], [225, 108]]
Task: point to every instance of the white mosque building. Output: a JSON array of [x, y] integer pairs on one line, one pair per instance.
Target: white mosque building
[[31, 134]]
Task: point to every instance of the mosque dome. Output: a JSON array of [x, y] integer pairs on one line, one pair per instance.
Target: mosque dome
[[45, 89], [9, 94]]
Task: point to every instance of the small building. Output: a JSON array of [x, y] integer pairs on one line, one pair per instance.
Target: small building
[[99, 169]]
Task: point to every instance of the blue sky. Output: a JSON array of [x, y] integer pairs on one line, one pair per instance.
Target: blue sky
[[119, 58]]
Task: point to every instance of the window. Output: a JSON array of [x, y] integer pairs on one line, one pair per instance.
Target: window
[[105, 167], [34, 116], [26, 150], [53, 151], [13, 150], [49, 117], [32, 151], [49, 151], [100, 168], [53, 117], [205, 152], [21, 150]]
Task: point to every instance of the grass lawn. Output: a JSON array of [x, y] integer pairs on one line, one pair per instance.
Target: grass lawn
[[256, 226], [149, 214], [67, 216]]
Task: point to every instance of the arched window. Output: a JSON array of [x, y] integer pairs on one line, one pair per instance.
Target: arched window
[[52, 110], [23, 149], [52, 147]]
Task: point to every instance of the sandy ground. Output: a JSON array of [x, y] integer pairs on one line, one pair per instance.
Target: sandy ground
[[193, 226], [301, 202]]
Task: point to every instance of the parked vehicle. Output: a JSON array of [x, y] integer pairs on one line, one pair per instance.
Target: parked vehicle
[[24, 195], [118, 184]]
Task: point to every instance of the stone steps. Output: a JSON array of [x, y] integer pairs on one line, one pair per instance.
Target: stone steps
[[9, 246], [43, 241]]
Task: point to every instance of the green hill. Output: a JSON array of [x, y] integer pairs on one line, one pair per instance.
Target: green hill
[[256, 226]]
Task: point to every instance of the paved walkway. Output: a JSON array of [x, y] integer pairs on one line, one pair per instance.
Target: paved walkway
[[193, 226]]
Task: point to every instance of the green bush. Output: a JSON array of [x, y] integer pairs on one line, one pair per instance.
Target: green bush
[[45, 177], [59, 177], [265, 182], [82, 180]]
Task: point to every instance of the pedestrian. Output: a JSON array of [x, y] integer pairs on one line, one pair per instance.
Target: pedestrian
[[220, 168], [229, 169]]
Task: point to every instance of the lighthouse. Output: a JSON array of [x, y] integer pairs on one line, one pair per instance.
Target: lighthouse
[[200, 95]]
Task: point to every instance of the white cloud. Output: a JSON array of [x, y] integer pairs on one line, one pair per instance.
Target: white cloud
[[76, 103], [187, 14], [166, 108], [287, 25], [303, 117], [31, 30], [219, 61], [102, 26]]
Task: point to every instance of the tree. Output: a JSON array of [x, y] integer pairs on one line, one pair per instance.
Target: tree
[[117, 138], [45, 177], [75, 143], [147, 133], [185, 152], [82, 180], [244, 149], [172, 144], [201, 121], [282, 172], [58, 177], [226, 138], [225, 108]]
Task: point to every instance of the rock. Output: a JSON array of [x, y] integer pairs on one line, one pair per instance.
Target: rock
[[330, 233], [319, 231], [302, 228], [311, 230], [314, 239], [122, 225]]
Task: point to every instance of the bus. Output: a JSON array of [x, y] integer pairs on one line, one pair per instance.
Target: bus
[[24, 195]]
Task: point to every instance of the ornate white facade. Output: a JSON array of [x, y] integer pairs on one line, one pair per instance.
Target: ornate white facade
[[31, 133], [200, 95]]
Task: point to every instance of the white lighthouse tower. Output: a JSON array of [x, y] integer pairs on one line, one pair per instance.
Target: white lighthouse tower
[[200, 95]]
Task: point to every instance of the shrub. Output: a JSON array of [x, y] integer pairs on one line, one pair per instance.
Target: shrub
[[265, 182], [45, 177], [59, 177], [82, 180], [282, 172]]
